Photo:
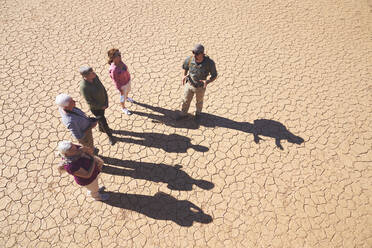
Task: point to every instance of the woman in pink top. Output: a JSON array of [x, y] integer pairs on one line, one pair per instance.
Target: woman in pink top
[[120, 75]]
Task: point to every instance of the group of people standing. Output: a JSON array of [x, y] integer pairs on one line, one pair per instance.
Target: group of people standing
[[95, 94], [80, 160]]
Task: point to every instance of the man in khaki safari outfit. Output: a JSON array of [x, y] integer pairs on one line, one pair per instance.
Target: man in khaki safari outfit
[[196, 70]]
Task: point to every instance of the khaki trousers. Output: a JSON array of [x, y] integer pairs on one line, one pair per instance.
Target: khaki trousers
[[87, 140], [93, 189], [189, 94]]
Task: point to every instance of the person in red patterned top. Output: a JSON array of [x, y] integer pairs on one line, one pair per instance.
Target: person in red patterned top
[[120, 75], [80, 162]]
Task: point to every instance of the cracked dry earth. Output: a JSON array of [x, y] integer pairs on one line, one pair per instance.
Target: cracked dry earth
[[281, 158]]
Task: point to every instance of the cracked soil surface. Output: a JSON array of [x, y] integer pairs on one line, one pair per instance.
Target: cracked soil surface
[[281, 158]]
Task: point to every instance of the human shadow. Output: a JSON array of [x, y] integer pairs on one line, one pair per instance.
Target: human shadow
[[176, 178], [260, 127], [165, 116], [168, 142], [161, 206]]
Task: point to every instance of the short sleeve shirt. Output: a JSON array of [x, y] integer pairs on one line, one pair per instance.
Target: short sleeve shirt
[[200, 71], [84, 163], [119, 74]]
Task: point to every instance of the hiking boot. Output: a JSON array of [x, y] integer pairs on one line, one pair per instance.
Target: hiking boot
[[198, 116], [112, 140]]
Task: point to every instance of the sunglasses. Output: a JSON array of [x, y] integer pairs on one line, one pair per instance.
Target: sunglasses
[[117, 54], [197, 53]]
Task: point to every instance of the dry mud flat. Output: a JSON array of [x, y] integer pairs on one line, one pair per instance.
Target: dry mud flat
[[293, 70]]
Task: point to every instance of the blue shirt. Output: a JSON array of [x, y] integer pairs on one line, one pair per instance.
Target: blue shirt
[[77, 122]]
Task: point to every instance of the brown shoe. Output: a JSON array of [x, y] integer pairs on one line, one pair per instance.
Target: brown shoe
[[197, 116]]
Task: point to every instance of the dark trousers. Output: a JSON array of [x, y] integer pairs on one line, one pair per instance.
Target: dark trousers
[[102, 122]]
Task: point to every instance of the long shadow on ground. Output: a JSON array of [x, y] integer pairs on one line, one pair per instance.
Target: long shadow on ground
[[167, 117], [168, 142], [176, 178], [161, 206], [260, 127]]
